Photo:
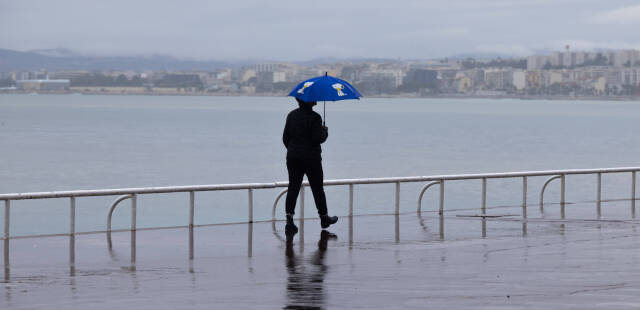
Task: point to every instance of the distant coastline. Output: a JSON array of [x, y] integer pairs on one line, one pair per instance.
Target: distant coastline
[[407, 96]]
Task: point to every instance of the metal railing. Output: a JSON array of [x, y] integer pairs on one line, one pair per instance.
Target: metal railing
[[132, 193]]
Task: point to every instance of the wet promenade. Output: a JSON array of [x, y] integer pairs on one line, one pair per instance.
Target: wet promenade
[[382, 261]]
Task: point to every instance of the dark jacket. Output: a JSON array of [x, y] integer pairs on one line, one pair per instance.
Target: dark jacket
[[303, 133]]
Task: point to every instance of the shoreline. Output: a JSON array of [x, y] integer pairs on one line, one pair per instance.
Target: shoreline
[[398, 96]]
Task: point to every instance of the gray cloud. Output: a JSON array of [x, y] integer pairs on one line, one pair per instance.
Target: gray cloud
[[300, 30], [623, 15]]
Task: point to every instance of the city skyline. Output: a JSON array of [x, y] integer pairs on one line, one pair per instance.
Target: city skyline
[[286, 31], [569, 73]]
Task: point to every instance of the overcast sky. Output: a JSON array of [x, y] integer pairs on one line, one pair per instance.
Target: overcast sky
[[302, 30]]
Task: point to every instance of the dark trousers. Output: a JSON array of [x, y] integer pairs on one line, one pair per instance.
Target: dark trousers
[[313, 169]]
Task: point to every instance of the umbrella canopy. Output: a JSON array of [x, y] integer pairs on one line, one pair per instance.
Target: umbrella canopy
[[324, 88]]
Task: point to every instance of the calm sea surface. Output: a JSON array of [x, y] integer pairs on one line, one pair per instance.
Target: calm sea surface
[[70, 142]]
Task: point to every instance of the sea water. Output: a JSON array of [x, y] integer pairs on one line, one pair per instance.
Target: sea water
[[74, 142]]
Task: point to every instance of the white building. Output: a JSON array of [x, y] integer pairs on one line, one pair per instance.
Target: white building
[[519, 80], [631, 76], [279, 76]]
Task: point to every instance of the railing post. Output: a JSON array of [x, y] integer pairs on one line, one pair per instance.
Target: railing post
[[562, 196], [424, 189], [544, 187], [192, 204], [397, 198], [524, 197], [484, 195], [350, 199], [633, 194], [7, 270], [441, 210], [72, 216], [134, 199], [7, 215], [275, 204], [251, 205], [599, 198]]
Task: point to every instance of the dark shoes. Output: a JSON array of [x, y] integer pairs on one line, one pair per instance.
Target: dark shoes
[[290, 229], [326, 220]]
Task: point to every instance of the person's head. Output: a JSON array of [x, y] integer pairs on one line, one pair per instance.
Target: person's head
[[302, 103]]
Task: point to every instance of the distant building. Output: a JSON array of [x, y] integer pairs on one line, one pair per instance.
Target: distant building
[[625, 58], [498, 79], [614, 77], [463, 83], [552, 77], [264, 81], [631, 77], [68, 75], [247, 74], [476, 77], [353, 72], [377, 82], [534, 79], [447, 80], [417, 79], [398, 76], [265, 67], [22, 76], [224, 74], [43, 85], [600, 85], [519, 80], [557, 59], [537, 62], [279, 76], [574, 59]]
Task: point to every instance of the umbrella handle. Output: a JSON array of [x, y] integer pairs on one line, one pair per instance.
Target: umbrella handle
[[324, 118]]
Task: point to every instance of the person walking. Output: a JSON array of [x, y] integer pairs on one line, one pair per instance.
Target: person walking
[[302, 136]]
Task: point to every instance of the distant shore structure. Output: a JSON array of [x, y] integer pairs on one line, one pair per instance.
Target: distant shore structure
[[43, 85], [570, 59], [598, 73]]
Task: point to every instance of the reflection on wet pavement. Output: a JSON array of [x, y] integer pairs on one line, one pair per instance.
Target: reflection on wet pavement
[[458, 260], [305, 280], [7, 271]]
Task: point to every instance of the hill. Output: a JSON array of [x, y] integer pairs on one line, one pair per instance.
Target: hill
[[58, 60]]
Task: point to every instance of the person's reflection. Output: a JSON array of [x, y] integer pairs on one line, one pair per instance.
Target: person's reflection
[[305, 282]]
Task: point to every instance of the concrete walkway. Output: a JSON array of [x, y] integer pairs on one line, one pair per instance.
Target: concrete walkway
[[384, 262]]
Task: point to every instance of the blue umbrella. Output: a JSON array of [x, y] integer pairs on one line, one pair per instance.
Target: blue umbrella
[[324, 88]]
